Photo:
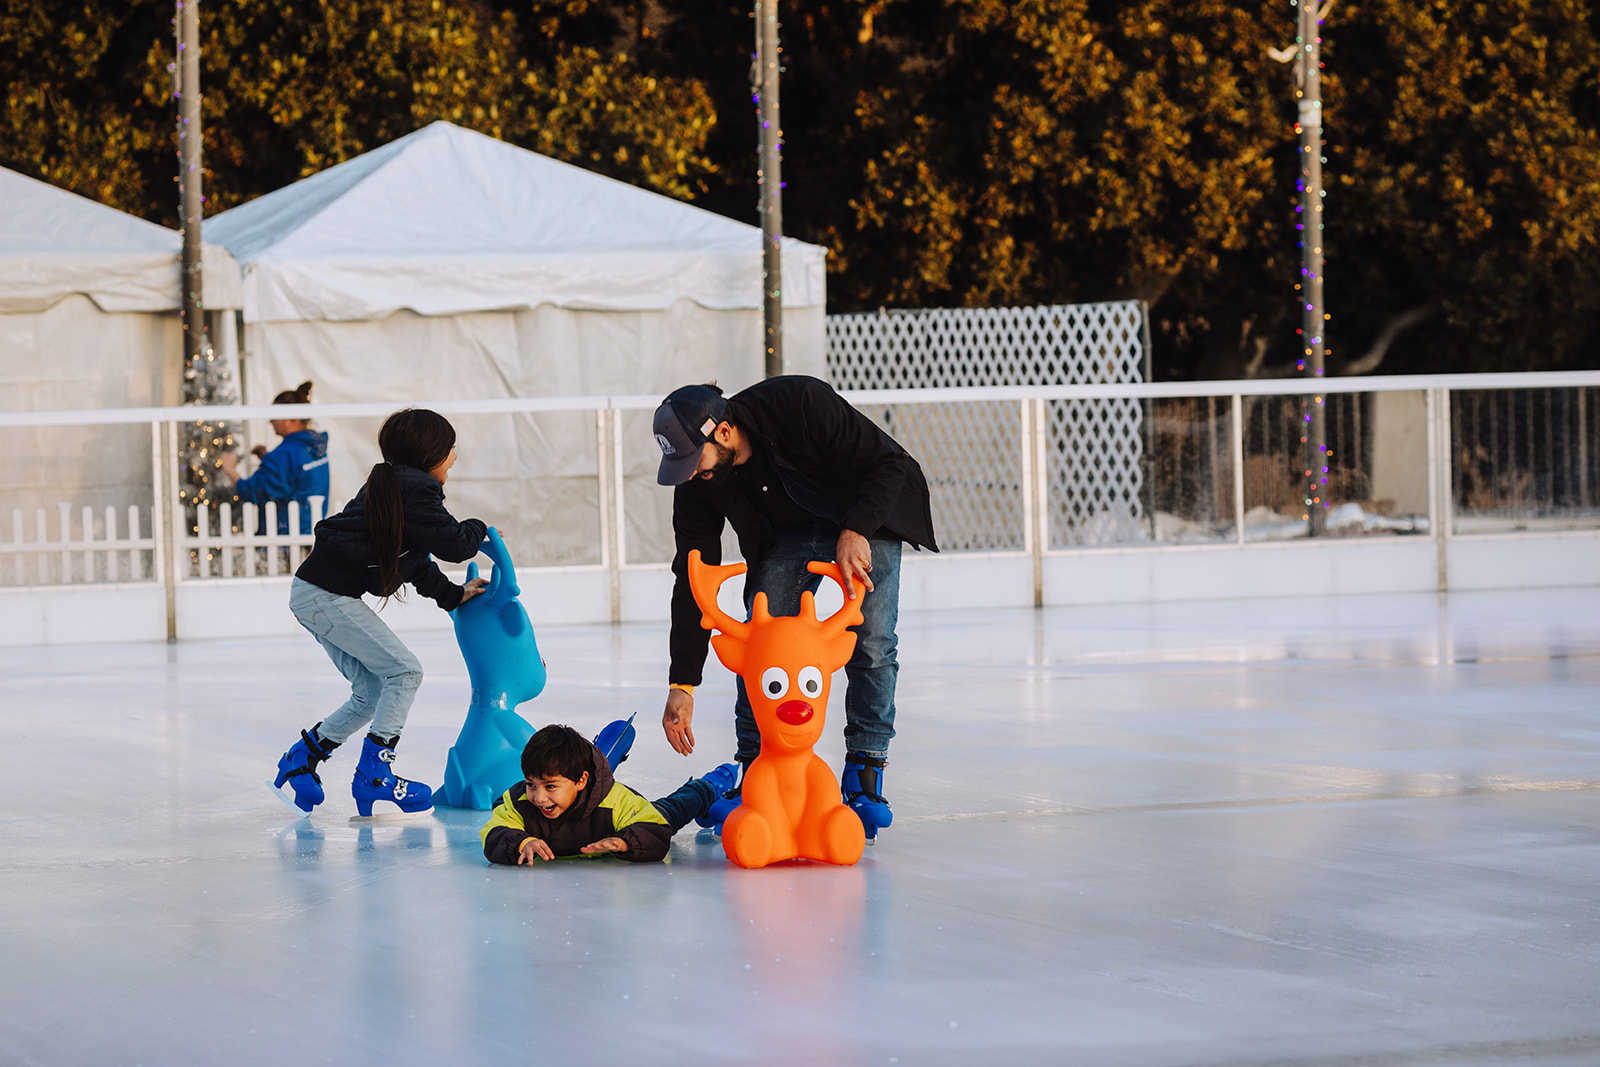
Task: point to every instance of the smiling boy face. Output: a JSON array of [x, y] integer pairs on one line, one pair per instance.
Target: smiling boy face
[[553, 794]]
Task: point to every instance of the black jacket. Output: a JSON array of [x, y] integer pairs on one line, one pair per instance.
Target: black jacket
[[833, 461], [342, 560]]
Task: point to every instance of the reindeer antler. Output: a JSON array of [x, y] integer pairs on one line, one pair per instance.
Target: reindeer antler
[[849, 615], [704, 581]]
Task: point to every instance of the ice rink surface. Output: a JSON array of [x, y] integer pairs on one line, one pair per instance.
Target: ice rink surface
[[1322, 833]]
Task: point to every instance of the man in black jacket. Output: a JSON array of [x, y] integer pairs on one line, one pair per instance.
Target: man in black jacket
[[801, 476]]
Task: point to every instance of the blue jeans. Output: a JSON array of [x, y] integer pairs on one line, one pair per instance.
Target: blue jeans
[[382, 672], [873, 667], [690, 800]]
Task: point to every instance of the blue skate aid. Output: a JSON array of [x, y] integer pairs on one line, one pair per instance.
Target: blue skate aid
[[504, 665]]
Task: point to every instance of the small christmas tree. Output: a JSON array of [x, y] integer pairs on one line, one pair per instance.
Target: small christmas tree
[[207, 380]]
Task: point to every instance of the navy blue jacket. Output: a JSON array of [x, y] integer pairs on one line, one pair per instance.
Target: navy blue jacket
[[342, 560], [296, 470]]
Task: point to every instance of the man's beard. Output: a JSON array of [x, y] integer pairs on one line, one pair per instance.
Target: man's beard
[[724, 462]]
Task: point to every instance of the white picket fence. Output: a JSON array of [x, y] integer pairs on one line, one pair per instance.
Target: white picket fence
[[92, 555], [96, 551], [223, 552]]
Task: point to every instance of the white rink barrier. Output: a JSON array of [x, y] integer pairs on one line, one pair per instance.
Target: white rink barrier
[[86, 575]]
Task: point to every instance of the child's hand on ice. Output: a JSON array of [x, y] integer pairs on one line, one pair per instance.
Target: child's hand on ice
[[606, 844], [531, 847]]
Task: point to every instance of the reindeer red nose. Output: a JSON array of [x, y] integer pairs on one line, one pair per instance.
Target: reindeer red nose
[[794, 712]]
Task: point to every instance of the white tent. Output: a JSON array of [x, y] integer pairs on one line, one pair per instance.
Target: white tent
[[89, 300], [448, 264]]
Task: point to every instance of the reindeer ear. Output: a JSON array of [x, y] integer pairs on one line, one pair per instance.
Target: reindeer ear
[[730, 650]]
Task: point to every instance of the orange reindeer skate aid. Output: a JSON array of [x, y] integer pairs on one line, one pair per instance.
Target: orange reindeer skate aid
[[791, 806]]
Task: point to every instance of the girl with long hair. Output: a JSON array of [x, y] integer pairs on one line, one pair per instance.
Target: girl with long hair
[[384, 538]]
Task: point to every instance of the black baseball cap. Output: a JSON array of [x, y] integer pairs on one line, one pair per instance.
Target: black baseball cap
[[684, 422]]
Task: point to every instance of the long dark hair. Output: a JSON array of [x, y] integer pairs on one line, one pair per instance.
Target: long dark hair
[[415, 437]]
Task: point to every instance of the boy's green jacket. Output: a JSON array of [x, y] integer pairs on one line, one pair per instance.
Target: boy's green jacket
[[604, 808]]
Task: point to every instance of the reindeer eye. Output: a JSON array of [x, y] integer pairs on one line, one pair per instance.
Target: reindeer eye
[[774, 682], [810, 681]]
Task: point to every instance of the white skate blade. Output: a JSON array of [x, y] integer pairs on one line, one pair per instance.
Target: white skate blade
[[379, 817], [288, 798]]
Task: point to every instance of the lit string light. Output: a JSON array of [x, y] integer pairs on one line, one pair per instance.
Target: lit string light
[[206, 378], [1308, 224]]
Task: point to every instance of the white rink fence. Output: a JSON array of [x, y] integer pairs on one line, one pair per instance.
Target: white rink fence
[[1455, 482]]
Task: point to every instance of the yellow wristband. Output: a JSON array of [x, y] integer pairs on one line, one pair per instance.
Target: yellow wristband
[[679, 685]]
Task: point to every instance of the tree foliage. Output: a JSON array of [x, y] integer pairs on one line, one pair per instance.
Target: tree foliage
[[947, 152], [293, 86], [978, 152]]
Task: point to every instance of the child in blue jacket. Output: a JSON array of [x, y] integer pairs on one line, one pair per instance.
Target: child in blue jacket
[[294, 472]]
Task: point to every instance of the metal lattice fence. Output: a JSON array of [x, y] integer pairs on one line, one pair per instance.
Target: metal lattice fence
[[1095, 448]]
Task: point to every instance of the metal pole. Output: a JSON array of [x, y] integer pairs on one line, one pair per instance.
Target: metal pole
[[1314, 319], [609, 466], [1147, 462], [187, 72], [1030, 504], [1236, 445], [769, 182]]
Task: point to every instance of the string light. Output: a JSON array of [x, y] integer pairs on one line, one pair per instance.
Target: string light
[[1307, 126], [207, 380]]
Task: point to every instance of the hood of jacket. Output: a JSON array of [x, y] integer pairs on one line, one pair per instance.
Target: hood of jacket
[[315, 442]]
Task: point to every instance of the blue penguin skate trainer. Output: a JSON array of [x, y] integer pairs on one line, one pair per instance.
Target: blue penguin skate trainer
[[862, 786], [375, 780], [298, 767]]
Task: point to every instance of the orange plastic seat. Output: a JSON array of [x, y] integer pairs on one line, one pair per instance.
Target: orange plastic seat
[[791, 806]]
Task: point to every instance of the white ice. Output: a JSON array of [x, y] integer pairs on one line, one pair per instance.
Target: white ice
[[1327, 833]]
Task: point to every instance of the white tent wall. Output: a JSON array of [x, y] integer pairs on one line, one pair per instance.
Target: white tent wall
[[531, 475], [74, 355], [89, 299]]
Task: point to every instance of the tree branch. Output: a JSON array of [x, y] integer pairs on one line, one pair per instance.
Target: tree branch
[[1369, 361]]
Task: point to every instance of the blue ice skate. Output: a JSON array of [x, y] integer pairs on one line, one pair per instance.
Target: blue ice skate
[[504, 665], [298, 767], [862, 786], [375, 779], [729, 781], [615, 741]]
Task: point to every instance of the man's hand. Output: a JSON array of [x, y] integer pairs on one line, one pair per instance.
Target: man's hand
[[229, 462], [854, 556], [531, 847], [606, 844], [675, 721], [259, 451], [472, 589]]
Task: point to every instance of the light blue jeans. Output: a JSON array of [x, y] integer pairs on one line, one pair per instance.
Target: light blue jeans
[[382, 672]]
